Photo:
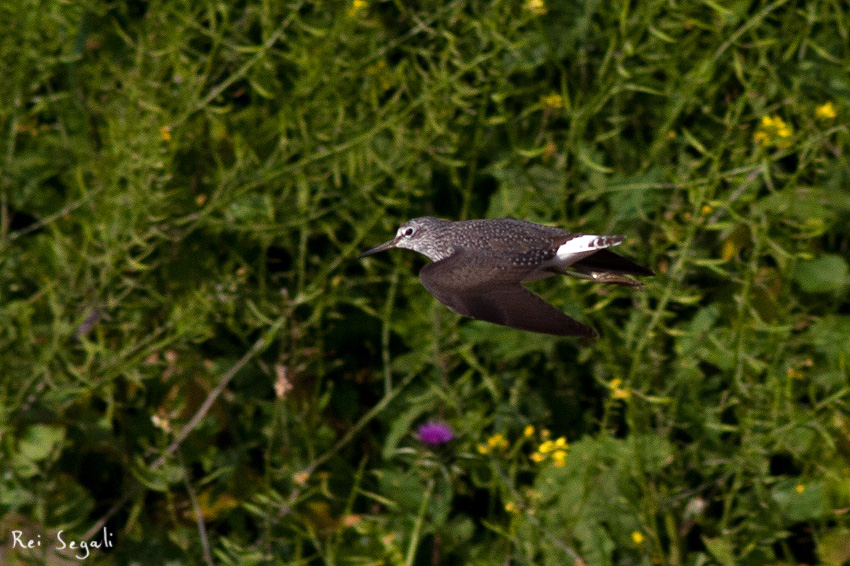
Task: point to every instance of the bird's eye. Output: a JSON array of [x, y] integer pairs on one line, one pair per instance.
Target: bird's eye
[[408, 232]]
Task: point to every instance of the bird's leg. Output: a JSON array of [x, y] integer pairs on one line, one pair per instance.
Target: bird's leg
[[579, 272]]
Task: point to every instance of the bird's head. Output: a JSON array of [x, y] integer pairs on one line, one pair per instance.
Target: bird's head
[[416, 235]]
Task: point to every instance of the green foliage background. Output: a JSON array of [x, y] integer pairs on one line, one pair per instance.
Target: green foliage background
[[191, 355]]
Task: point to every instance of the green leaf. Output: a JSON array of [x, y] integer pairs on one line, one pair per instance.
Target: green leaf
[[15, 496], [825, 274], [158, 479], [800, 500], [834, 547], [591, 496], [721, 549], [40, 441], [829, 336], [400, 427], [404, 489]]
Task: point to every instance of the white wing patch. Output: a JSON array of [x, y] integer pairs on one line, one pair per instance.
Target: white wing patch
[[586, 243]]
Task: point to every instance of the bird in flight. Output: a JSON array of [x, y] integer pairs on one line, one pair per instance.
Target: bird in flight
[[478, 268]]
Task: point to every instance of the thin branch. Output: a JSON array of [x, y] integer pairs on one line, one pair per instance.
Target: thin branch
[[258, 347], [346, 438], [199, 515], [58, 214]]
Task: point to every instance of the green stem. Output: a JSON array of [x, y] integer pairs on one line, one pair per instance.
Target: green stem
[[417, 529]]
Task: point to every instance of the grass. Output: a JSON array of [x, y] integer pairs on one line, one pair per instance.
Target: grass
[[191, 357]]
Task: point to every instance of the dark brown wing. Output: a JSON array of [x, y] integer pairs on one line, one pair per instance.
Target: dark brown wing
[[472, 289], [606, 261]]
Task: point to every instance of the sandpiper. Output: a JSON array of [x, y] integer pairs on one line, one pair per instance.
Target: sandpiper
[[479, 266]]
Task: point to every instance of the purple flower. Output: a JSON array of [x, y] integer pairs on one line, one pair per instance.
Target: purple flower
[[435, 433]]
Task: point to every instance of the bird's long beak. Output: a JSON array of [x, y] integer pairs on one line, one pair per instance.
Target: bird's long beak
[[385, 246]]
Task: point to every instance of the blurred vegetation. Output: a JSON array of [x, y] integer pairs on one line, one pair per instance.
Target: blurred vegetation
[[191, 356]]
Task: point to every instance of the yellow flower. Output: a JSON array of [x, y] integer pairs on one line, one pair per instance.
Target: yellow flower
[[826, 111], [529, 431], [559, 457], [621, 394], [637, 537], [165, 133], [551, 445], [511, 507], [773, 131], [554, 449], [483, 449], [800, 488], [618, 392], [536, 7], [552, 101], [497, 442], [357, 6]]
